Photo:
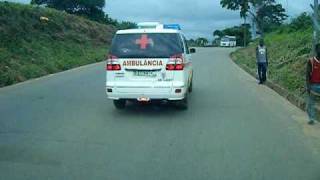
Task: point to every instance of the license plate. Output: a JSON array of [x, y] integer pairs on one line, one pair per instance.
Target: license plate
[[143, 99], [145, 73]]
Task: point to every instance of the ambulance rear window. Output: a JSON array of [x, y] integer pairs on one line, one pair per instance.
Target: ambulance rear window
[[148, 45]]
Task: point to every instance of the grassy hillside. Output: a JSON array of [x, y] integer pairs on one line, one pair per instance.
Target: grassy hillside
[[288, 54], [30, 47]]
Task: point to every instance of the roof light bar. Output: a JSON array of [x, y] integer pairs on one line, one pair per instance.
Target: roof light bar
[[172, 26], [157, 25], [148, 25]]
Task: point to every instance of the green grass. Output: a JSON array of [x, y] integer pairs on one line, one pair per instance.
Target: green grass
[[31, 48], [288, 53]]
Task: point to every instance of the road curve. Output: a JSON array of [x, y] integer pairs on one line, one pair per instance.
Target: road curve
[[63, 127]]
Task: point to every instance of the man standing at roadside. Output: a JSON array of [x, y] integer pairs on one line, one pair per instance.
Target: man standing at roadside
[[262, 61], [313, 84]]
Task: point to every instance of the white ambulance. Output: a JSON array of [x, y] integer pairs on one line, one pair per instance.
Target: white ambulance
[[150, 63], [228, 41]]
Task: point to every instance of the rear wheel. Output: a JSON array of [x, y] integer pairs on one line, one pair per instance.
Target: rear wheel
[[190, 87], [119, 104], [182, 104]]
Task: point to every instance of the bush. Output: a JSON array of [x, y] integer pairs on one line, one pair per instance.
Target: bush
[[31, 48], [302, 22]]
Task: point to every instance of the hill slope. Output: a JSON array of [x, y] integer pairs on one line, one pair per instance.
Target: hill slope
[[31, 47], [288, 54]]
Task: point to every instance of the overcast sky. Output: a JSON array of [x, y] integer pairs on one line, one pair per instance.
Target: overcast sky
[[197, 18]]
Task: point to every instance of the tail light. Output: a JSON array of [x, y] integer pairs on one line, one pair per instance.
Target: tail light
[[170, 67], [176, 63], [179, 67], [112, 63], [109, 67], [116, 67]]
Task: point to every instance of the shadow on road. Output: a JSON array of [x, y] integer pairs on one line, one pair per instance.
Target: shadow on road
[[150, 110]]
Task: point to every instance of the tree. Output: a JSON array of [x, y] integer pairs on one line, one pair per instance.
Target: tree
[[111, 21], [93, 9], [201, 42], [303, 21], [204, 41], [238, 32], [218, 33], [126, 25], [266, 13], [191, 42]]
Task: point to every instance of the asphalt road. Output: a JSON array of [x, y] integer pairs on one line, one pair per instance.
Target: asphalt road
[[63, 127]]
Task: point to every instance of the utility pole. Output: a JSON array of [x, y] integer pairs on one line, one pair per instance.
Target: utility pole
[[245, 32], [287, 4], [254, 25], [315, 24]]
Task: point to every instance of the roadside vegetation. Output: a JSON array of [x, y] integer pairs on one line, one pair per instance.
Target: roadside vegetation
[[90, 9], [198, 42], [289, 44], [289, 47], [266, 14], [242, 34], [32, 46]]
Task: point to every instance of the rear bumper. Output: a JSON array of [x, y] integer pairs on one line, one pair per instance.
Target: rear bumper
[[153, 93]]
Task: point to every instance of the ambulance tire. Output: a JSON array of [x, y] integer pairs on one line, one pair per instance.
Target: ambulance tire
[[190, 88], [119, 104], [182, 104]]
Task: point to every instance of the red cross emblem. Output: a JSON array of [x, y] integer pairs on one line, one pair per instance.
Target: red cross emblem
[[143, 41]]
